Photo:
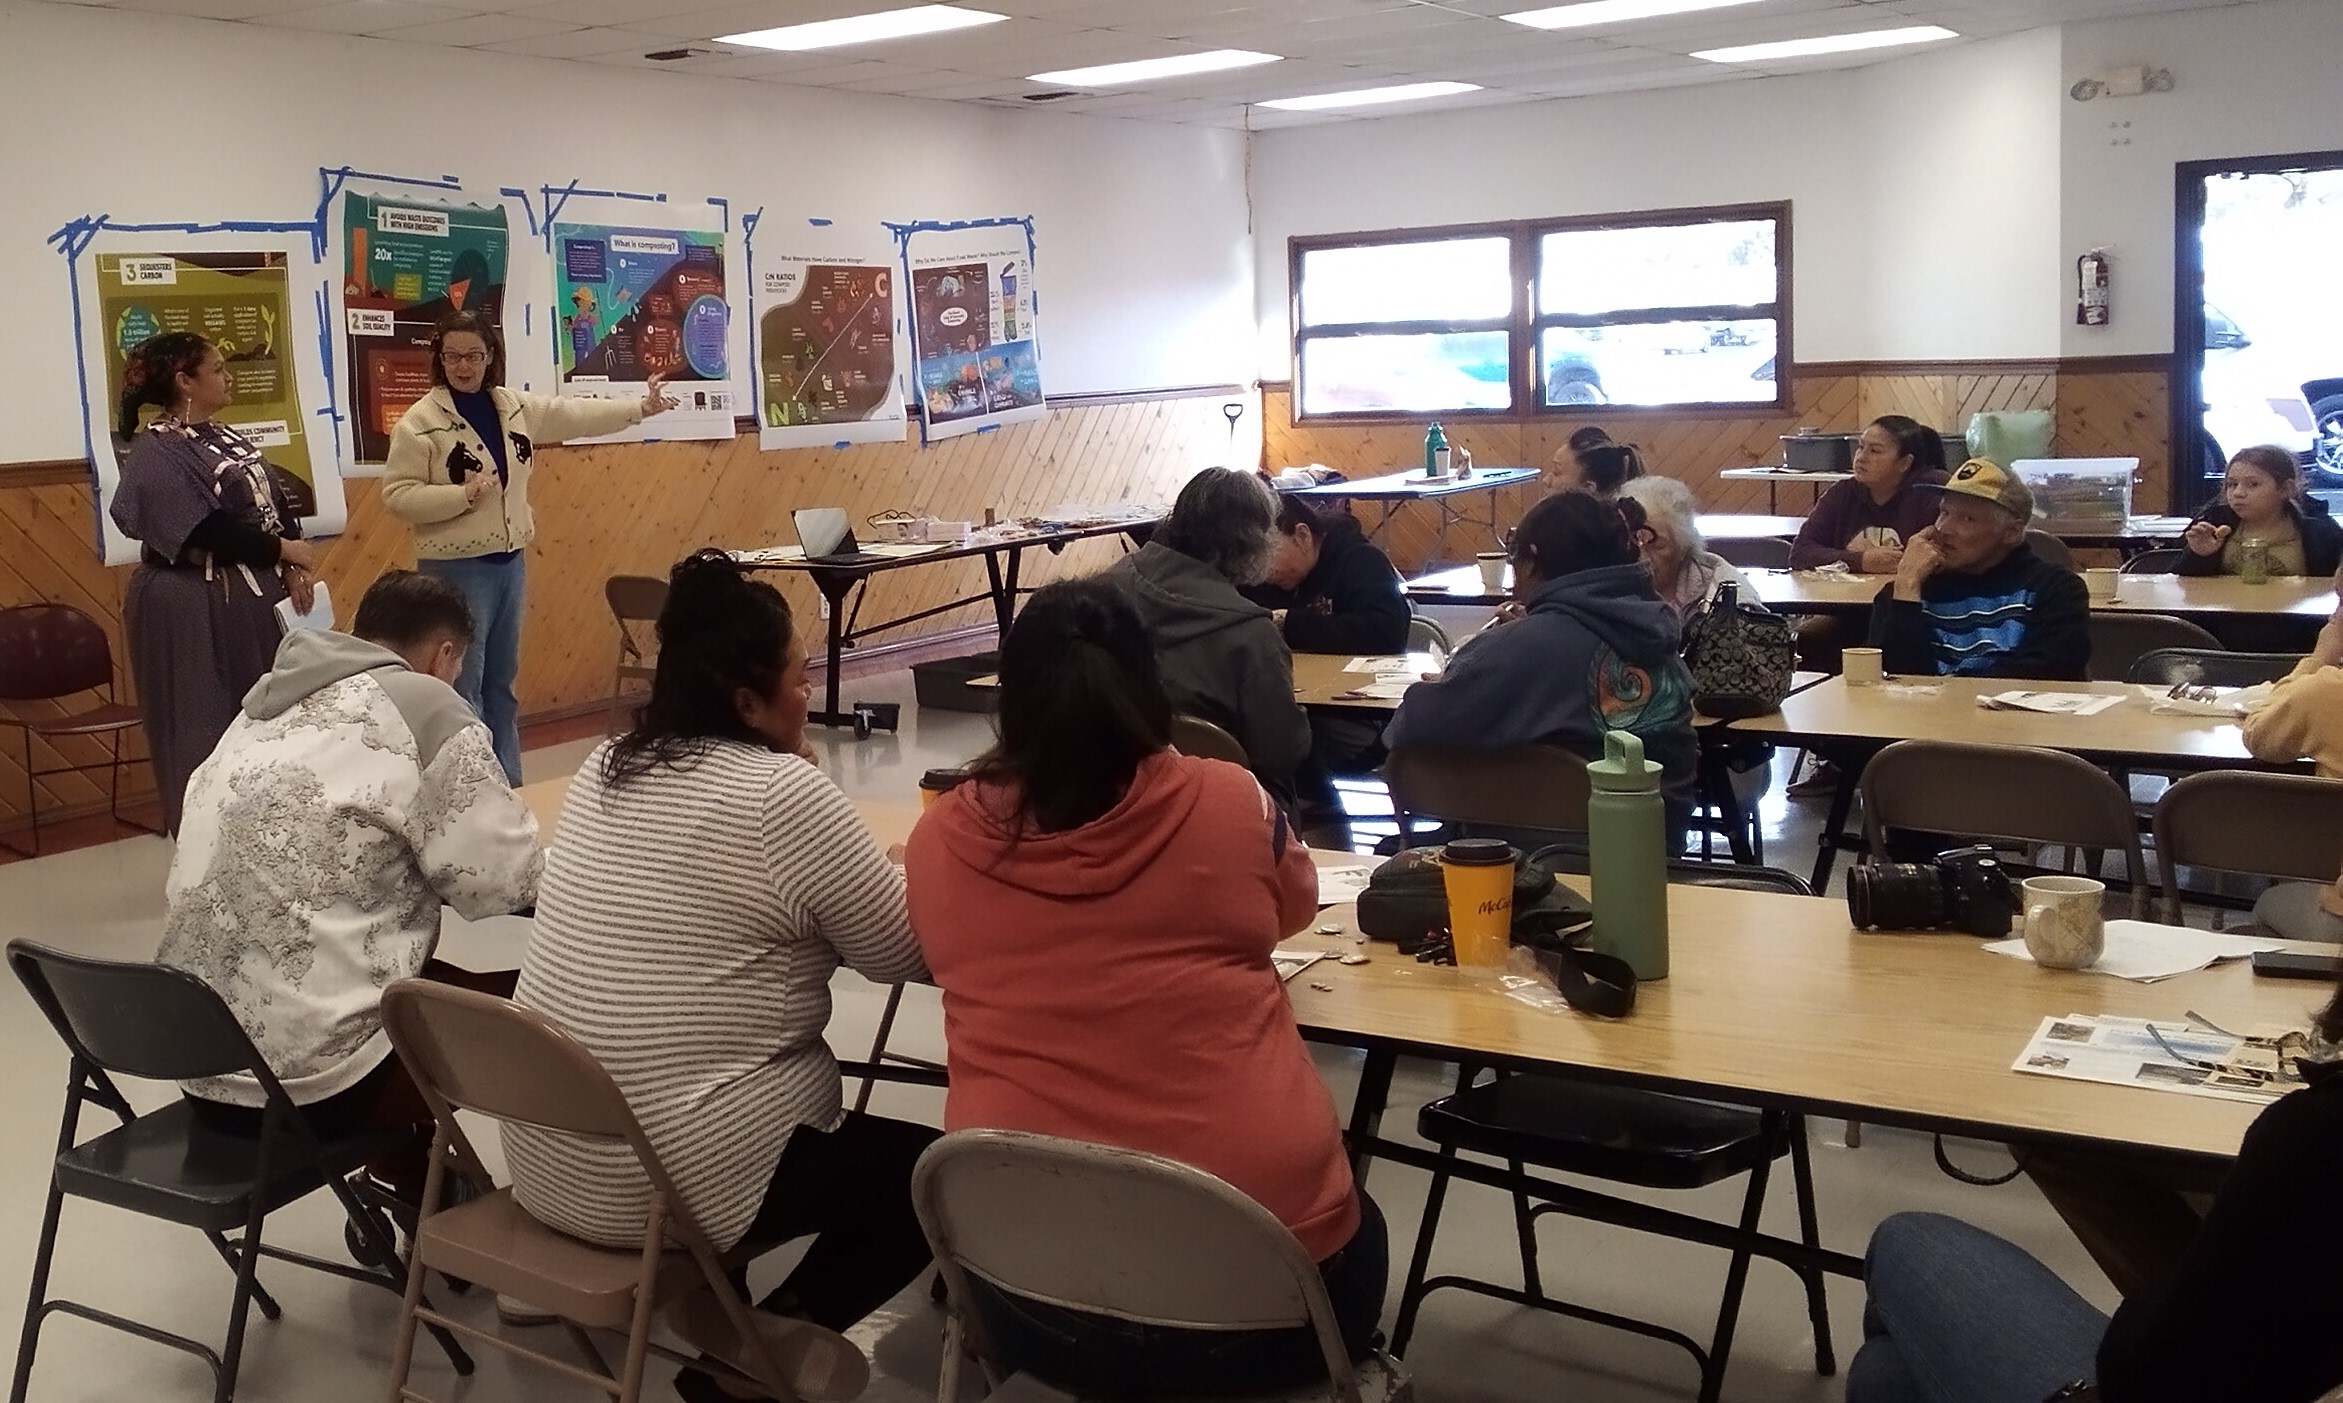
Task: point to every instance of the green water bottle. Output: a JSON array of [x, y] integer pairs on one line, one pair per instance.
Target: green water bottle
[[1436, 452], [2253, 562], [1627, 856]]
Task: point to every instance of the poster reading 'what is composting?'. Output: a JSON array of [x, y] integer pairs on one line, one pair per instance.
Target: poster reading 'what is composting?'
[[976, 357], [634, 303]]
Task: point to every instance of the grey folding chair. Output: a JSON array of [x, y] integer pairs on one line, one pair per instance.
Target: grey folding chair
[[2164, 560], [2050, 548], [1540, 787], [1193, 735], [1117, 1232], [475, 1052], [2288, 826], [635, 602], [1423, 636], [2210, 667], [2119, 640], [2010, 792], [1761, 553]]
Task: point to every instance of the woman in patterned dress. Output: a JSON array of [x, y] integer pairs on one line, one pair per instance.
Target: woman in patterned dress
[[221, 547]]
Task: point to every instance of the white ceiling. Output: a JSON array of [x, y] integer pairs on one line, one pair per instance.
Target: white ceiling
[[1327, 45]]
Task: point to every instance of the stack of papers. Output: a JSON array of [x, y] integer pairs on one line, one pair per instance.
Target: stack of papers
[[770, 555], [1394, 673], [2146, 952], [2049, 703]]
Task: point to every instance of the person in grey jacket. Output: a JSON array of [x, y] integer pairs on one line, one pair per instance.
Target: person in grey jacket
[[1595, 651], [1222, 656]]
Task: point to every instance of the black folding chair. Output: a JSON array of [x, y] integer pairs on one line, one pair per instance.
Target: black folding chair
[[157, 1023], [1626, 1136]]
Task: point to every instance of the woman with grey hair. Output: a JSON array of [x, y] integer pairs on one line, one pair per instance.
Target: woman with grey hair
[[1661, 513], [1222, 656]]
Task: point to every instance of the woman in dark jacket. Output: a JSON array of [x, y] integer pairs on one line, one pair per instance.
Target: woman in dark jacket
[[1338, 593], [1595, 652], [2259, 502]]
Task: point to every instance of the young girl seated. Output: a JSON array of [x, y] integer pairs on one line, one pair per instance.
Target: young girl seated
[[2258, 504]]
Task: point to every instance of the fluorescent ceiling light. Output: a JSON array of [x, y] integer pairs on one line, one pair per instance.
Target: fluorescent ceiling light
[[1369, 97], [1613, 12], [863, 29], [1829, 44], [1115, 75]]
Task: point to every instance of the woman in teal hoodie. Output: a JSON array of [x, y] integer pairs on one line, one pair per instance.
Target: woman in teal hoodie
[[1594, 651]]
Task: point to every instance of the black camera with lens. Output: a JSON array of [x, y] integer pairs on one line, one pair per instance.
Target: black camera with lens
[[1963, 889]]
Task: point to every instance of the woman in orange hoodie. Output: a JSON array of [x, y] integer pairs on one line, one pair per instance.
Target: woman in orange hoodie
[[1099, 911]]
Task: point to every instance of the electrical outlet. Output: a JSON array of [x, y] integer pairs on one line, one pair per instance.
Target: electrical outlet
[[822, 608]]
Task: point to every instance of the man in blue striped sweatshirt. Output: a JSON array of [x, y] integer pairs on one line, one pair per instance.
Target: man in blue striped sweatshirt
[[1973, 600]]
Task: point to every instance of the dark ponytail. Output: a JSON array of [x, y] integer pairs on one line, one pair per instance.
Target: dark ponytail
[[150, 374], [1609, 467], [719, 631], [1082, 704]]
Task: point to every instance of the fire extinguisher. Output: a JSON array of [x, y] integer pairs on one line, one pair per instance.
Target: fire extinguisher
[[2091, 289]]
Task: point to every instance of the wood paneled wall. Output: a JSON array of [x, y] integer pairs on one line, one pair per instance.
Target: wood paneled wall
[[637, 508], [2100, 411]]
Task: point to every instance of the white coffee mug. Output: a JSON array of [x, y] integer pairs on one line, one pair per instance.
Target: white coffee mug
[[1492, 563], [2066, 924], [2102, 585], [1863, 667]]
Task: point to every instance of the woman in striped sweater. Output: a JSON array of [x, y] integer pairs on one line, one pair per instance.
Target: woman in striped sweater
[[706, 881]]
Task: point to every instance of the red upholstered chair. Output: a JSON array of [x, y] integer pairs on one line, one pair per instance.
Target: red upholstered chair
[[50, 652]]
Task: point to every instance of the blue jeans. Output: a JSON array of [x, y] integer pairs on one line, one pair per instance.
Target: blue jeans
[[1087, 1353], [1958, 1315], [494, 590]]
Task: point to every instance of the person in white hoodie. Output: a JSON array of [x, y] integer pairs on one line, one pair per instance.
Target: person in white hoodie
[[354, 795]]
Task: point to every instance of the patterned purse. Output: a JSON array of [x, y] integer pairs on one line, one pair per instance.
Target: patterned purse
[[1740, 655]]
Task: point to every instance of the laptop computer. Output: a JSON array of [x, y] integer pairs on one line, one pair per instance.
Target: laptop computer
[[829, 540]]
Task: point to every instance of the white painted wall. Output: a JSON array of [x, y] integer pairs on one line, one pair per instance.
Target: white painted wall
[[2250, 80], [1144, 268], [1960, 203]]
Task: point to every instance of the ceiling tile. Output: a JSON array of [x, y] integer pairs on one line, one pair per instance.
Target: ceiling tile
[[580, 43], [367, 16], [216, 9], [477, 30]]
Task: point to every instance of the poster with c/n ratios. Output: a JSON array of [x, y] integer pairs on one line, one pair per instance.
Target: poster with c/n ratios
[[826, 349], [633, 303], [976, 358]]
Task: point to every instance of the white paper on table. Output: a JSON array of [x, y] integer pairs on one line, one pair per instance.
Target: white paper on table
[[2050, 703], [770, 555], [1337, 885], [1292, 962], [2146, 951], [2120, 1052], [2230, 701], [900, 550], [320, 615], [1387, 662]]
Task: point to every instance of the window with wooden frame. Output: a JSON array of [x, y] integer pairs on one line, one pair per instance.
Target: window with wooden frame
[[1669, 309]]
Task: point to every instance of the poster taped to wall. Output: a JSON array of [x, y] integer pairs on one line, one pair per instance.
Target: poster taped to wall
[[826, 350], [406, 264], [636, 302], [241, 300], [976, 356]]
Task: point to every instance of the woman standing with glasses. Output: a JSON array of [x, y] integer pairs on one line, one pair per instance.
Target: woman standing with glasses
[[458, 473], [219, 547]]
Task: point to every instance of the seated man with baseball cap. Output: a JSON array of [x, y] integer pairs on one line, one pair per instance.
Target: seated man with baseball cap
[[1971, 599]]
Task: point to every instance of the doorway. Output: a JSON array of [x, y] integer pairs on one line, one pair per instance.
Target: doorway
[[2257, 311]]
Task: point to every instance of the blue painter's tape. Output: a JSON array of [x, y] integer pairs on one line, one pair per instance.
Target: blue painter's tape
[[820, 223], [842, 443], [990, 429], [527, 209]]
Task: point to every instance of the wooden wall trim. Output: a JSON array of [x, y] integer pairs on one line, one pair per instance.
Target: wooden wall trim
[[53, 472]]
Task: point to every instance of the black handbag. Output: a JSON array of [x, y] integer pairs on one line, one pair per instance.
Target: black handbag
[[1741, 657], [1406, 901]]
